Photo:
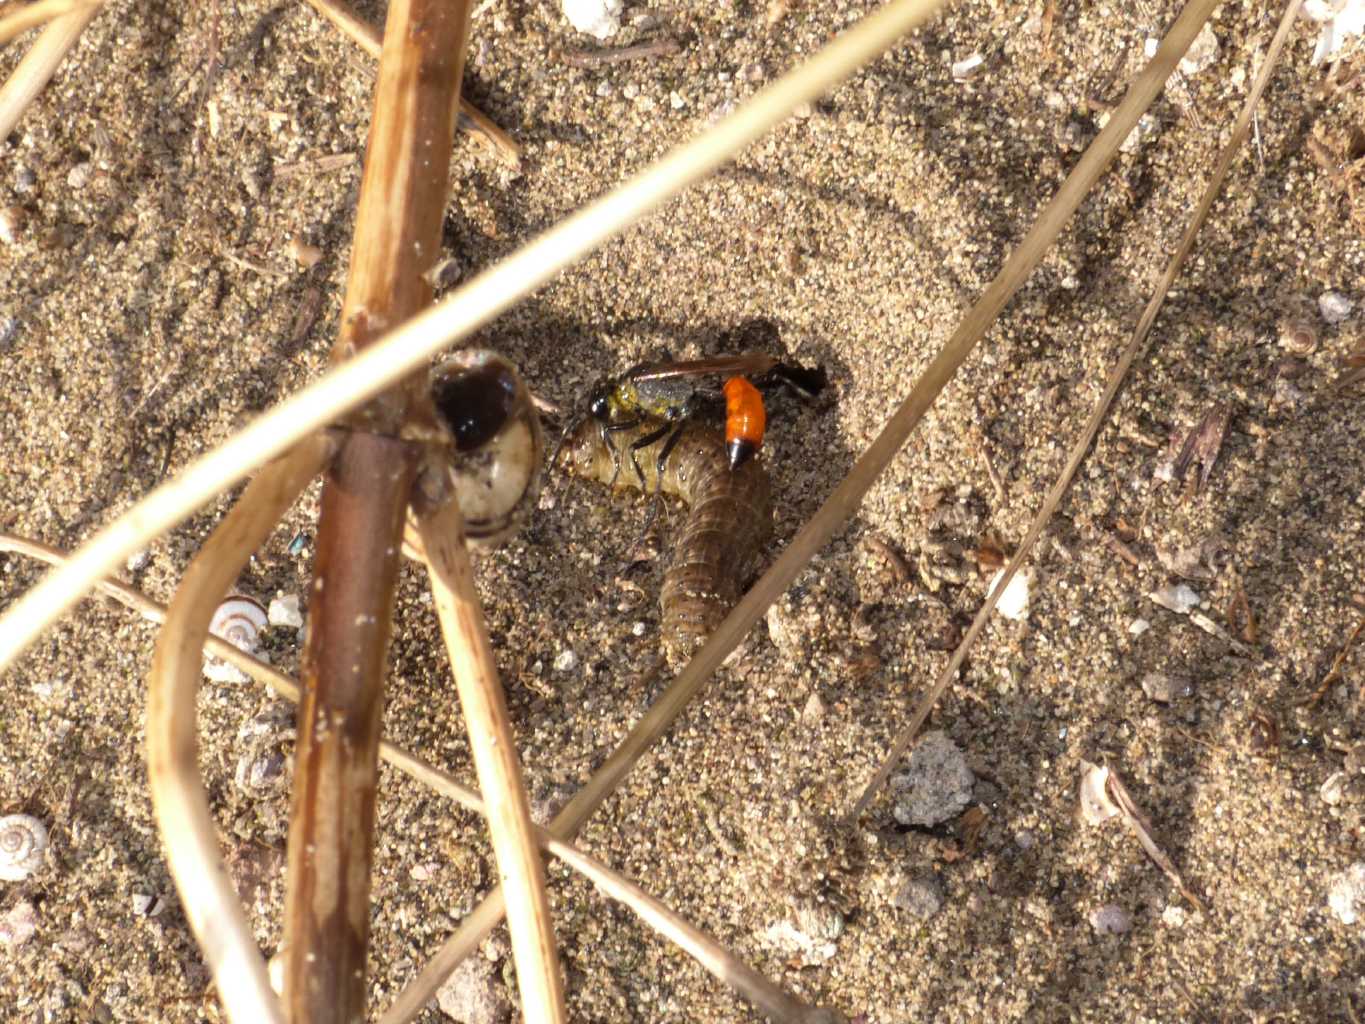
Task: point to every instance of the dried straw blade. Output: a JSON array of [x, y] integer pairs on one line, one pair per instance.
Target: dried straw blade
[[178, 796], [1093, 424], [464, 311], [40, 64], [495, 757]]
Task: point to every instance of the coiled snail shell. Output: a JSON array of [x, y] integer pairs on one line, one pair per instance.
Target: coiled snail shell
[[23, 841], [496, 445], [239, 620]]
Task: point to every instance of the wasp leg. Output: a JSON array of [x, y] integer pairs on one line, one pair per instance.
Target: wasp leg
[[645, 442], [665, 450], [606, 430]]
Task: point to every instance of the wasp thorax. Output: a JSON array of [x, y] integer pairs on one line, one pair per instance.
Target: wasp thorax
[[494, 469]]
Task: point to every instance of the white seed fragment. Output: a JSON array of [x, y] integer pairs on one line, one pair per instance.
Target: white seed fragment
[[1178, 598], [1013, 603]]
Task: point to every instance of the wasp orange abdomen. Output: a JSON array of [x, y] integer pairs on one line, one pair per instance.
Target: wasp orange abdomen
[[745, 419]]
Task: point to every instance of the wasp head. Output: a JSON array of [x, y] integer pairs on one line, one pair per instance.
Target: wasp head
[[599, 401]]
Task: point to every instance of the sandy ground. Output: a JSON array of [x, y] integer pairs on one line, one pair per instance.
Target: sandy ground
[[149, 306]]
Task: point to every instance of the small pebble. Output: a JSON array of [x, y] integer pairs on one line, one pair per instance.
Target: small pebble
[[1138, 626], [447, 273], [1203, 52], [138, 560], [24, 180], [598, 18], [1178, 598], [284, 611], [19, 924], [147, 904], [1333, 789], [1334, 307], [936, 785], [305, 255], [1165, 688], [79, 176], [1110, 919], [566, 660], [814, 711], [474, 995], [921, 897], [9, 330], [1346, 896]]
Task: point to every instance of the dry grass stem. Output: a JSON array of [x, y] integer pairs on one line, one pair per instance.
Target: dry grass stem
[[1092, 427], [369, 39], [364, 502], [493, 746], [39, 13], [721, 963], [178, 795], [40, 64]]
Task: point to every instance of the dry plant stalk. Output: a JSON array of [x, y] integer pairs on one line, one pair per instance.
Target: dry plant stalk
[[364, 502], [368, 38], [32, 15], [40, 63], [723, 965], [1092, 426], [178, 795], [494, 750], [408, 346], [844, 500]]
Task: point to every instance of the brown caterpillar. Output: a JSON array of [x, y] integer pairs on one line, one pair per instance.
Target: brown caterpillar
[[729, 519]]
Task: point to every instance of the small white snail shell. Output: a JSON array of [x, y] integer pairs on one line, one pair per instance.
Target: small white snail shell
[[22, 842], [239, 620], [496, 480]]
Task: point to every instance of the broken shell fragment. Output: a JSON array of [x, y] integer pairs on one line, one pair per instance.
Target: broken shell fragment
[[1096, 806], [23, 841], [496, 445], [1299, 337]]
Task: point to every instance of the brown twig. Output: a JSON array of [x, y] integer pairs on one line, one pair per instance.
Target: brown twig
[[493, 747], [665, 47], [40, 64], [1334, 672], [364, 502], [178, 795], [1175, 44], [367, 37], [724, 965]]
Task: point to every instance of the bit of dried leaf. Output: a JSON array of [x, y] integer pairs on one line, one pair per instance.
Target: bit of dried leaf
[[1185, 561]]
